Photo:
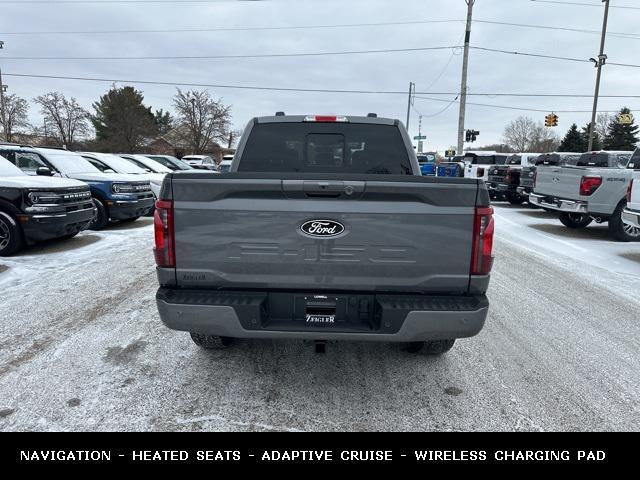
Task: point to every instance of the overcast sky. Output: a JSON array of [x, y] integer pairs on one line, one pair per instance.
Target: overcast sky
[[432, 71]]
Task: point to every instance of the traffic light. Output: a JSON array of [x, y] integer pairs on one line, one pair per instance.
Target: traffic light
[[551, 120], [471, 135]]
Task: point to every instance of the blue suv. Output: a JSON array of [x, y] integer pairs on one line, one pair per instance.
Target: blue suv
[[117, 196], [427, 163]]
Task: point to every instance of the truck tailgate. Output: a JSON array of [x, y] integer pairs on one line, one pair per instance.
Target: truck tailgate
[[561, 182], [405, 233]]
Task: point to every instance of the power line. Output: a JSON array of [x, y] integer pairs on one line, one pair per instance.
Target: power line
[[552, 57], [79, 2], [260, 55], [230, 29], [315, 54], [632, 36], [309, 90], [491, 105], [312, 27], [439, 112], [582, 4]]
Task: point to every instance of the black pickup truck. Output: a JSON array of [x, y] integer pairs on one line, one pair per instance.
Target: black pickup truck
[[36, 208], [504, 180]]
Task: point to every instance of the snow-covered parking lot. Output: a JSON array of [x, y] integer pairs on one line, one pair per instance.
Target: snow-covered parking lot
[[82, 348]]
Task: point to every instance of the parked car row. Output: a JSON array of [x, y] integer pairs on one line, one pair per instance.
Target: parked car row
[[595, 187], [54, 193], [429, 166], [582, 187]]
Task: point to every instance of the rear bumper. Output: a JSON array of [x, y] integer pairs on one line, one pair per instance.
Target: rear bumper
[[124, 209], [398, 318], [498, 186], [559, 204], [39, 227], [631, 217]]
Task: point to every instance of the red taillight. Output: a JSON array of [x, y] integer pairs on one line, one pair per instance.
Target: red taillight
[[164, 250], [588, 185], [325, 118], [480, 172], [629, 188], [483, 226]]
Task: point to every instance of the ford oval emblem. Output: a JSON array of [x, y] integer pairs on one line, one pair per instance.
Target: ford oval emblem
[[322, 228]]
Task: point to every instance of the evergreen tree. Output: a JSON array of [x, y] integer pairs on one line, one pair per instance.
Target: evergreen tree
[[621, 136], [164, 121], [573, 141], [597, 142], [122, 122]]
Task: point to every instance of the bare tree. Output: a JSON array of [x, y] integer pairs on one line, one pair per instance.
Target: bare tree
[[525, 135], [602, 124], [206, 120], [543, 140], [234, 136], [15, 116], [518, 133], [66, 118]]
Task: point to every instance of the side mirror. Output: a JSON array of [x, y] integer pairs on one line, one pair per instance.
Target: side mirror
[[44, 171]]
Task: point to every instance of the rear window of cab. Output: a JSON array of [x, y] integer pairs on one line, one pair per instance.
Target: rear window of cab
[[325, 148], [634, 161]]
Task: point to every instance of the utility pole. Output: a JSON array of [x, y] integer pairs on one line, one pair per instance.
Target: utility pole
[[602, 58], [412, 87], [2, 110], [463, 86], [420, 134]]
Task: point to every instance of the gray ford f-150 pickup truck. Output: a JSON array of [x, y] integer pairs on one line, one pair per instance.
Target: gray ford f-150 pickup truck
[[323, 229]]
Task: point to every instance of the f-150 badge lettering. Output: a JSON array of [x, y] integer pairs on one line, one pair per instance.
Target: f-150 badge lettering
[[322, 228]]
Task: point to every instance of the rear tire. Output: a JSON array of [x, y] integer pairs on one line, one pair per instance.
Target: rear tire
[[102, 216], [433, 347], [574, 220], [211, 342], [438, 347], [620, 230], [11, 239], [515, 199]]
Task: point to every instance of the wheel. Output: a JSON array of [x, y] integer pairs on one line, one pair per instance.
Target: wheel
[[10, 235], [438, 347], [434, 347], [211, 341], [574, 220], [414, 347], [515, 199], [102, 216], [620, 230]]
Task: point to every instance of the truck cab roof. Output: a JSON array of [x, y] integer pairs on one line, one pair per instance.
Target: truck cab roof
[[325, 119]]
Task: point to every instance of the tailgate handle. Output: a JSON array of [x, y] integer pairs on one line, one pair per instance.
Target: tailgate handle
[[331, 189]]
